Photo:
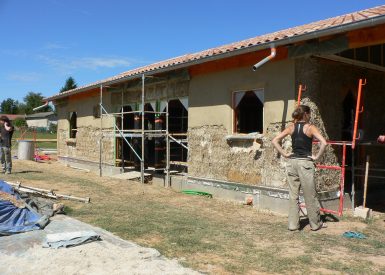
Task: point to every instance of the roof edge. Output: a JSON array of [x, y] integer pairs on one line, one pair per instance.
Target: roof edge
[[370, 22]]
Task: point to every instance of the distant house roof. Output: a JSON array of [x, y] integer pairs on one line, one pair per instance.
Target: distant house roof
[[339, 24], [12, 117], [39, 115]]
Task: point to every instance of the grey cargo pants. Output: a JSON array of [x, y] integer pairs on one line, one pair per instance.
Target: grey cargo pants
[[6, 158], [300, 173]]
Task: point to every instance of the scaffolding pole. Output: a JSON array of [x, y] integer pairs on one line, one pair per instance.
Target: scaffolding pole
[[167, 148], [359, 110], [122, 128], [101, 128], [142, 133]]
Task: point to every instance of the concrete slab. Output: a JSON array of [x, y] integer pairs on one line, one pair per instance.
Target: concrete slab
[[362, 212], [23, 254]]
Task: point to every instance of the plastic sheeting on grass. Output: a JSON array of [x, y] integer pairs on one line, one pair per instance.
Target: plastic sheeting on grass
[[15, 219], [68, 239]]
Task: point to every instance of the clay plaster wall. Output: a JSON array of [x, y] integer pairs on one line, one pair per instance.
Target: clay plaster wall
[[211, 155], [86, 144], [211, 95]]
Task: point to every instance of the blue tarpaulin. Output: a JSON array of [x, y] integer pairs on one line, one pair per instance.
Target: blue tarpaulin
[[13, 219]]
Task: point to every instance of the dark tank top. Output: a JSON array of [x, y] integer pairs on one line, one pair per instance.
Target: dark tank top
[[302, 144]]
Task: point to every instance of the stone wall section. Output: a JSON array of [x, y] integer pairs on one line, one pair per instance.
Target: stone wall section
[[86, 145], [250, 162]]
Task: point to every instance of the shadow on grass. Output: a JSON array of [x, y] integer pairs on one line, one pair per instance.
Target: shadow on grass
[[325, 218], [27, 172]]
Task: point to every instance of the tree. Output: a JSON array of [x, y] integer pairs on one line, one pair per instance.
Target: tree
[[9, 106], [33, 100], [20, 123], [69, 85]]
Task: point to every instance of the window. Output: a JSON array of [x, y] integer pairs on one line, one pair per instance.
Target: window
[[73, 125], [248, 111]]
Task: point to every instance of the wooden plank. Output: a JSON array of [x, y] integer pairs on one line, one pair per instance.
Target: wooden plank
[[130, 175], [179, 163], [40, 139]]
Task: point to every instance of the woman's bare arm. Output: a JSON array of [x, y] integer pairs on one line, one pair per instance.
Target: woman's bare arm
[[7, 127], [316, 133], [277, 140]]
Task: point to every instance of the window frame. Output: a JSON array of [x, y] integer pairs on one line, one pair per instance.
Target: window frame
[[234, 107], [73, 131]]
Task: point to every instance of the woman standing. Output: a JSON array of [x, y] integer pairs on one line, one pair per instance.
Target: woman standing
[[300, 168]]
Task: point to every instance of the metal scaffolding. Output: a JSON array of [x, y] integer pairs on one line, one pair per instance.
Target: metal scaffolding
[[137, 133], [344, 144]]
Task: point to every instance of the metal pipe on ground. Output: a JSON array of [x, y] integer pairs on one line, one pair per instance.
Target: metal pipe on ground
[[46, 193]]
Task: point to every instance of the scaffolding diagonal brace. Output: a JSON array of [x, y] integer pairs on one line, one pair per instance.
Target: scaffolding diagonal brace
[[177, 141], [128, 143], [122, 135]]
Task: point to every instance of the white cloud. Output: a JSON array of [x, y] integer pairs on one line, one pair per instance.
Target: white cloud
[[97, 62], [24, 77], [55, 46], [92, 63], [14, 52]]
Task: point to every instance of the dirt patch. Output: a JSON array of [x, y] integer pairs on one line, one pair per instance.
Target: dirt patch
[[376, 260], [295, 249], [151, 240], [338, 228], [325, 271]]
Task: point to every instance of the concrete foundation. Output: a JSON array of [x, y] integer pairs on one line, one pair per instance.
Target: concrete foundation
[[107, 169], [264, 198]]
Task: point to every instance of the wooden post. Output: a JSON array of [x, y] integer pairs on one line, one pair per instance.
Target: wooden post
[[366, 180]]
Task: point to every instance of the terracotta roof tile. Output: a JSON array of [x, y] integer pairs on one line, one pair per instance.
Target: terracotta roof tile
[[12, 117], [263, 39]]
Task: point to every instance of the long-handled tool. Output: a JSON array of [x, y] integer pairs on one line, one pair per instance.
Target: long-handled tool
[[46, 193]]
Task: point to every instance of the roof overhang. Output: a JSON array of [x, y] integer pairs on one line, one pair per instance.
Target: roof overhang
[[374, 21]]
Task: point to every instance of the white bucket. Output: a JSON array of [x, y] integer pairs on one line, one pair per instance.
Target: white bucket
[[25, 150]]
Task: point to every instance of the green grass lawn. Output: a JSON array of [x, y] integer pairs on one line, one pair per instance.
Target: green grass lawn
[[210, 235], [39, 135]]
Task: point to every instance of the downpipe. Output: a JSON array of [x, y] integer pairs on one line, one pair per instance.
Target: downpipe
[[273, 53], [40, 107]]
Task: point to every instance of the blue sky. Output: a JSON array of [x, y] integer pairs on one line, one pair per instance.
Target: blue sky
[[43, 42]]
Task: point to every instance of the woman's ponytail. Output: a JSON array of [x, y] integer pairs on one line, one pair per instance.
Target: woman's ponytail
[[299, 112]]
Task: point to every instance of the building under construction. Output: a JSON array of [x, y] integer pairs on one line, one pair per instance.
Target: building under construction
[[211, 115]]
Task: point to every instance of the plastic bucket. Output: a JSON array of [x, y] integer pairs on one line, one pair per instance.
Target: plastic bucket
[[25, 150]]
